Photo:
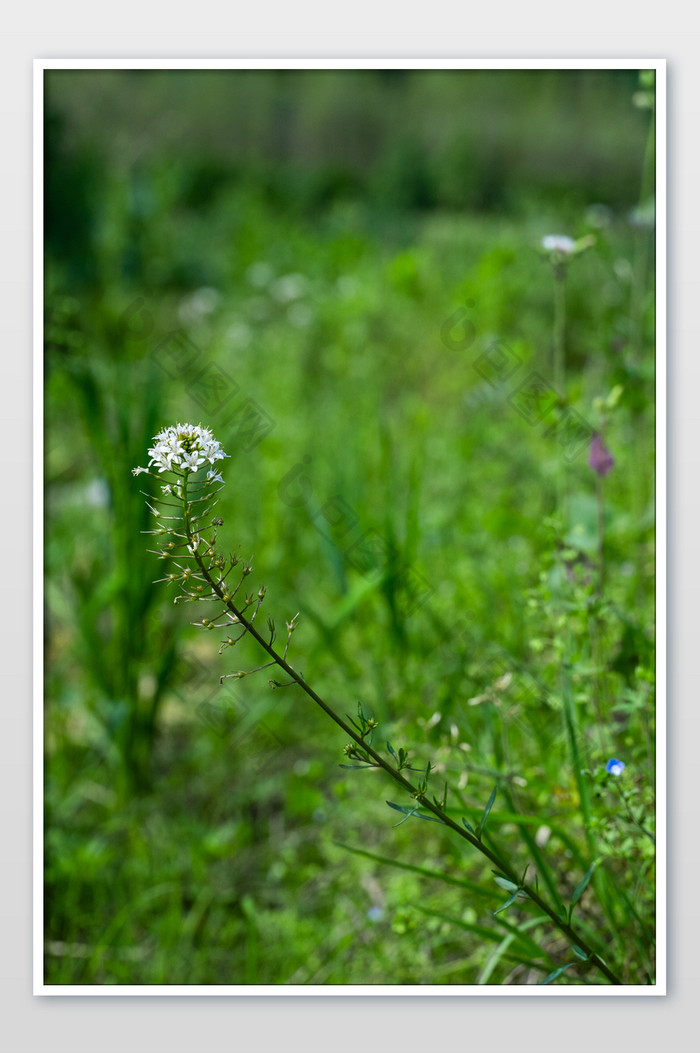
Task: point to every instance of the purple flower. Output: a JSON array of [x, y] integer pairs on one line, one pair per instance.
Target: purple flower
[[600, 458], [615, 766]]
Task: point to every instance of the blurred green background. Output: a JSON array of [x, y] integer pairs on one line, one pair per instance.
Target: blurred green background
[[312, 263]]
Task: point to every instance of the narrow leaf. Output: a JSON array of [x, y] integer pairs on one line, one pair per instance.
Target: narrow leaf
[[511, 899], [506, 883], [407, 812], [581, 887], [392, 751], [355, 767], [557, 972], [412, 811], [476, 889], [515, 955], [580, 953], [487, 809], [469, 827], [514, 933], [401, 808]]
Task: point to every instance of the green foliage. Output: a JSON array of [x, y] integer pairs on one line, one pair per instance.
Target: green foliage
[[199, 833]]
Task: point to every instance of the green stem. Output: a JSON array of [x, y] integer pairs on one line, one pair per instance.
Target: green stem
[[584, 797], [559, 359], [601, 533], [380, 762], [559, 374], [643, 243]]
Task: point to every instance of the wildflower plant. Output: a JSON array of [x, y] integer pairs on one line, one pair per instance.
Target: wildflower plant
[[183, 464]]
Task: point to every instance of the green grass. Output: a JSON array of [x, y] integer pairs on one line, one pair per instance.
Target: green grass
[[206, 835]]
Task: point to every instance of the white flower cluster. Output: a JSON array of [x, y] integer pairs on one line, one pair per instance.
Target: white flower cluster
[[558, 243], [184, 447]]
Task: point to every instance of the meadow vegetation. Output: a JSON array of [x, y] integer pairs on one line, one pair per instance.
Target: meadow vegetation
[[345, 280]]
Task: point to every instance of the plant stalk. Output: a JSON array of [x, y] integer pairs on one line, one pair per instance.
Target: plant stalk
[[380, 762]]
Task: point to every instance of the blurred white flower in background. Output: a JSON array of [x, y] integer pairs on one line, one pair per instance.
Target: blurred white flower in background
[[558, 243], [289, 287], [260, 274], [198, 305]]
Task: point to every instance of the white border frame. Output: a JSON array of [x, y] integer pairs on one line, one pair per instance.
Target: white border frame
[[39, 987]]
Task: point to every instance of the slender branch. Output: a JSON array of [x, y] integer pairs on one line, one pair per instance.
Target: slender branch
[[379, 761]]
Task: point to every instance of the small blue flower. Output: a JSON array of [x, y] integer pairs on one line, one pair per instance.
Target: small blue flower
[[615, 766]]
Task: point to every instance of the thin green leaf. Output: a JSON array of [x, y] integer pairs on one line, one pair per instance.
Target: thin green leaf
[[508, 902], [520, 931], [502, 950], [472, 886], [460, 923], [580, 953], [392, 751], [412, 811], [506, 883], [356, 767], [493, 936], [406, 816], [468, 826], [581, 887], [557, 972], [487, 809]]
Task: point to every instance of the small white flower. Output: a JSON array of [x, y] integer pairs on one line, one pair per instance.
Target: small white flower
[[558, 243], [214, 477], [139, 471], [192, 460]]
